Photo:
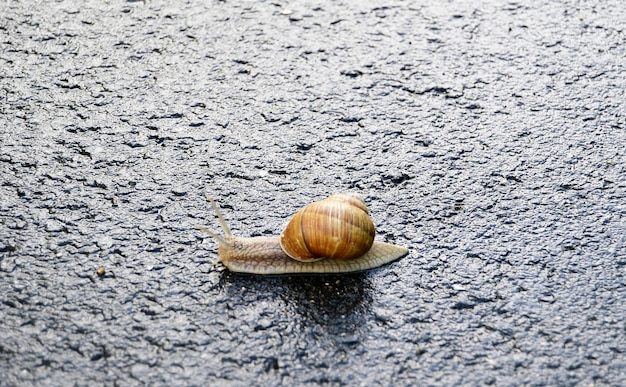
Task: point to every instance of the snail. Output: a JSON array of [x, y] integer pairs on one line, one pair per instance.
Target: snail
[[334, 235]]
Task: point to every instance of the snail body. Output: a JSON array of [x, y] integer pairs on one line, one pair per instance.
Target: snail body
[[334, 235]]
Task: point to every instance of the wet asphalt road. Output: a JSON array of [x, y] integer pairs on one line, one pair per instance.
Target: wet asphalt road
[[488, 137]]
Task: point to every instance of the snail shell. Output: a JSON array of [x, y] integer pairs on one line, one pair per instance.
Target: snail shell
[[334, 235], [337, 227]]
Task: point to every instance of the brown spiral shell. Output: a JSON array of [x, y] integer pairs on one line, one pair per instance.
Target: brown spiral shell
[[337, 227]]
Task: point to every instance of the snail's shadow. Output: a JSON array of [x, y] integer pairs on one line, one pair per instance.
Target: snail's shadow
[[337, 304]]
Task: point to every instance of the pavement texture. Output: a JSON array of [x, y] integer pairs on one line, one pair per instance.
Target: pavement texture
[[486, 136]]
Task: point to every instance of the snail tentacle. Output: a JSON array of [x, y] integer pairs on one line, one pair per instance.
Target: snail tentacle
[[223, 241], [227, 232], [219, 239]]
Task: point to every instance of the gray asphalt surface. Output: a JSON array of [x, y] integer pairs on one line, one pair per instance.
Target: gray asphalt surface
[[488, 137]]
